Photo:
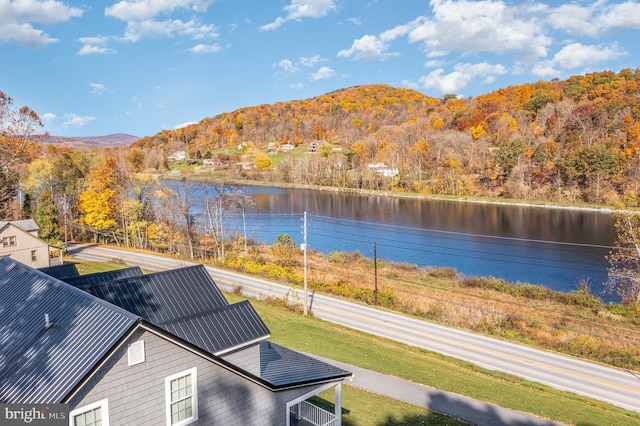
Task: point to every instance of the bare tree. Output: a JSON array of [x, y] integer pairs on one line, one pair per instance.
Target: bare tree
[[624, 257]]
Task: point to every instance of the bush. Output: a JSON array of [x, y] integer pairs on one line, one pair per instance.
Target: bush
[[448, 273], [344, 258]]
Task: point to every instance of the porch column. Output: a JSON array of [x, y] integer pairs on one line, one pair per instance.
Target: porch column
[[338, 404]]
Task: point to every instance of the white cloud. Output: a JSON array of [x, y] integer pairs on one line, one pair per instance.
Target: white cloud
[[460, 77], [94, 45], [299, 9], [49, 116], [312, 61], [366, 47], [74, 120], [141, 10], [482, 26], [188, 123], [206, 48], [434, 63], [594, 19], [323, 73], [623, 15], [138, 30], [97, 88], [572, 18], [576, 55], [401, 30], [17, 19], [287, 66]]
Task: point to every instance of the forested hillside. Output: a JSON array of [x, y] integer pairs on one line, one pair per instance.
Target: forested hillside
[[575, 140]]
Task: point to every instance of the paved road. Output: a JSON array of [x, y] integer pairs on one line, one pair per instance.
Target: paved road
[[468, 409], [618, 387]]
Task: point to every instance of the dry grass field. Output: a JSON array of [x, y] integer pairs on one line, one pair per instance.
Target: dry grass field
[[575, 323]]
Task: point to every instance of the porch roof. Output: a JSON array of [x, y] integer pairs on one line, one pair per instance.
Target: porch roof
[[283, 367]]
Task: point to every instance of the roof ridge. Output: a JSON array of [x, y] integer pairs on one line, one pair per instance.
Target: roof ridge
[[144, 276], [207, 312], [68, 287]]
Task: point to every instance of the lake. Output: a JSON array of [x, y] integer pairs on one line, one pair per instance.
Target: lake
[[554, 247]]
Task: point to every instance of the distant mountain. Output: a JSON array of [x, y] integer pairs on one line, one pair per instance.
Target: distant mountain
[[114, 140]]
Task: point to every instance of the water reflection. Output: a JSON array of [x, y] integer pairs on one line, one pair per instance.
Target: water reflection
[[554, 247]]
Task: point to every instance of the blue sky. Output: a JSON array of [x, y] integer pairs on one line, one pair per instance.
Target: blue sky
[[92, 68]]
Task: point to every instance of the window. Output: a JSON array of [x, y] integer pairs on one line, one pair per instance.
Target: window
[[96, 414], [181, 393], [34, 255], [9, 241]]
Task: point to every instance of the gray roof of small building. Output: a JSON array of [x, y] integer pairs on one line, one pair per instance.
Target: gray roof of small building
[[101, 277], [61, 272], [40, 364], [283, 367], [26, 225], [187, 303]]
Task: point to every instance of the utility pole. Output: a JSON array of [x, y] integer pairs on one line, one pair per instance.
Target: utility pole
[[304, 251], [375, 272]]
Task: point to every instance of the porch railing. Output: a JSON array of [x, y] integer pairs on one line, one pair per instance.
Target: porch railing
[[313, 414]]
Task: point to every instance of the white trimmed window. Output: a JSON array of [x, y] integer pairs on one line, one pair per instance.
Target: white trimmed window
[[96, 414], [9, 241], [181, 395]]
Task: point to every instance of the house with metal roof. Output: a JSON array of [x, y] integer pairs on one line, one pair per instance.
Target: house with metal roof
[[65, 270], [168, 349], [19, 240], [101, 277]]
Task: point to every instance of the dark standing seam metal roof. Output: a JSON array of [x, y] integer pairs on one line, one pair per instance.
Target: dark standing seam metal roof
[[284, 367], [39, 364], [221, 329], [187, 303], [100, 277], [61, 272]]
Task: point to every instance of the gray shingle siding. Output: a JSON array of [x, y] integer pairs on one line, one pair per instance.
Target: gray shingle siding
[[136, 393]]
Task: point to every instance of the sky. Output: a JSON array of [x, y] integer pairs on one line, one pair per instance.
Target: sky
[[93, 68]]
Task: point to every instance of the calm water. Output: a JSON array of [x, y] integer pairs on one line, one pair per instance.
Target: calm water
[[554, 247]]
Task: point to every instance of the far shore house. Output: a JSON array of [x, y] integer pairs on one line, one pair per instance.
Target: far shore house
[[19, 240], [177, 156], [382, 169], [161, 349]]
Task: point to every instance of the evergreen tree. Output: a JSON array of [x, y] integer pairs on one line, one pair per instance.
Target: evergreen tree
[[47, 217]]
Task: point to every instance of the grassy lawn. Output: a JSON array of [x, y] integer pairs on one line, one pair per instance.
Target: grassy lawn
[[311, 335], [362, 408], [322, 338]]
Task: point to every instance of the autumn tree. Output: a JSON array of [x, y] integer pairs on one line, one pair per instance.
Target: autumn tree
[[68, 174], [285, 250], [98, 200], [262, 162], [20, 129], [624, 257]]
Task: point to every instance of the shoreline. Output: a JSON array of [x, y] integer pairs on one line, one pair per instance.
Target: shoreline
[[201, 178]]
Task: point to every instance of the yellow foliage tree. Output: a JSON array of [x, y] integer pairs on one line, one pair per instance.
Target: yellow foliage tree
[[98, 200], [263, 162]]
